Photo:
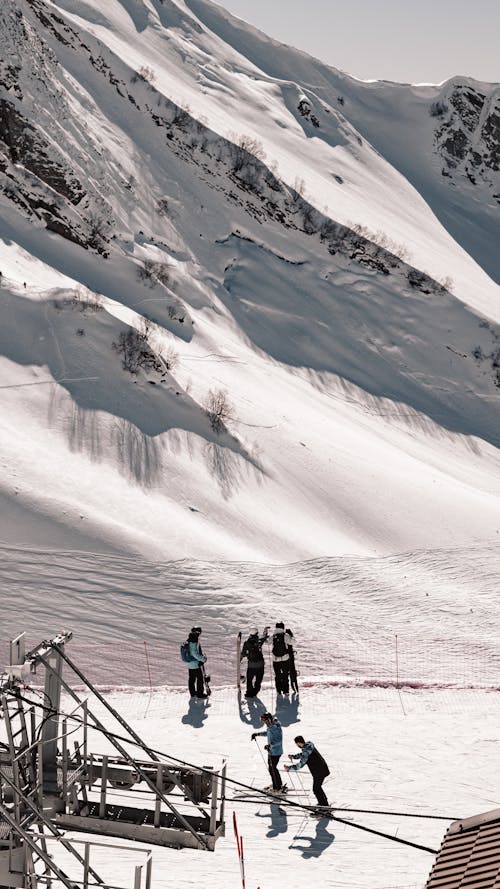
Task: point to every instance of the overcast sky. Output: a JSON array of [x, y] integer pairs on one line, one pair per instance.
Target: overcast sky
[[404, 40]]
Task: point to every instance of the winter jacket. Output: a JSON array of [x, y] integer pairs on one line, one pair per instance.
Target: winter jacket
[[197, 656], [312, 758], [281, 641], [274, 736], [252, 649]]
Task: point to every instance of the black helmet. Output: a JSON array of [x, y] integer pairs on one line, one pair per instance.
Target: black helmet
[[196, 630], [266, 717]]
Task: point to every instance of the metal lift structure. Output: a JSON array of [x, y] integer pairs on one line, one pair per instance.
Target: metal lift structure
[[50, 783]]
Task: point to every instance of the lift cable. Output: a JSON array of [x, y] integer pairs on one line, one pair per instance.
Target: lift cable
[[114, 737]]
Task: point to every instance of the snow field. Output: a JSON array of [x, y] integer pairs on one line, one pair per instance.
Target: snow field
[[414, 751]]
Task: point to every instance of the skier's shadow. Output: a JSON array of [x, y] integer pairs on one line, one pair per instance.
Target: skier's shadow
[[317, 844], [251, 713], [197, 713], [279, 821], [287, 710]]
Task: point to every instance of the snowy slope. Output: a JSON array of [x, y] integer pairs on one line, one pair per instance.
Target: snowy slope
[[362, 394], [378, 139]]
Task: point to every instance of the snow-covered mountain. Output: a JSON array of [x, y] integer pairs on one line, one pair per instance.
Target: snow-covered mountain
[[249, 305]]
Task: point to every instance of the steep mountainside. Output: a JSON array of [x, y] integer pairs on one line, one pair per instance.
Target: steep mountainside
[[234, 320]]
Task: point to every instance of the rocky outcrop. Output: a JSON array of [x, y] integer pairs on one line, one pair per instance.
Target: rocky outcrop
[[468, 134], [22, 144]]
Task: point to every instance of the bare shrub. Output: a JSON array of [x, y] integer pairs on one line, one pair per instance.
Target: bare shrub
[[250, 175], [162, 207], [311, 219], [176, 314], [420, 281], [162, 273], [98, 229], [82, 301], [447, 284], [218, 409], [145, 271], [381, 240], [244, 150], [144, 73], [153, 272], [171, 358], [299, 187], [330, 231], [271, 176], [135, 350], [181, 116]]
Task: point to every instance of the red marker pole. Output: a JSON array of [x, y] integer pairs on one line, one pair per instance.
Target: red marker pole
[[239, 845]]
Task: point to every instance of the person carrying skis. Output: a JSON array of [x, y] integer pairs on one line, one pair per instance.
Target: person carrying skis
[[317, 766], [195, 669], [291, 663], [274, 748], [252, 650], [281, 658]]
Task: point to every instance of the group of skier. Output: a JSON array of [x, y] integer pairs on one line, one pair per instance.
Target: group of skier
[[282, 654], [283, 660], [308, 755], [285, 675]]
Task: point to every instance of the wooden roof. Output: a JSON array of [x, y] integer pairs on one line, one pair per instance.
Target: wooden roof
[[469, 857]]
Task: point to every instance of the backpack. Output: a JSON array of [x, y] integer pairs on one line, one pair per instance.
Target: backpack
[[185, 655], [254, 651], [279, 645]]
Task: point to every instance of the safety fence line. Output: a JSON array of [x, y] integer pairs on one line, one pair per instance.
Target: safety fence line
[[414, 663]]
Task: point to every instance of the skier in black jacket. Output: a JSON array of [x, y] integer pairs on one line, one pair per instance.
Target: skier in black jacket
[[252, 650], [317, 766], [281, 658]]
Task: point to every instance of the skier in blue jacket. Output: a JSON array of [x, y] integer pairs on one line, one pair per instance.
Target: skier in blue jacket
[[274, 748], [196, 681]]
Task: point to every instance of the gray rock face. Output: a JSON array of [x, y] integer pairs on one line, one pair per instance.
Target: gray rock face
[[22, 144], [468, 136]]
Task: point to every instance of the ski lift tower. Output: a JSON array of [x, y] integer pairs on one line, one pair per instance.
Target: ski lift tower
[[46, 788]]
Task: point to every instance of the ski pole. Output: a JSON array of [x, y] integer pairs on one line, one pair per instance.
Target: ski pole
[[261, 754], [304, 791]]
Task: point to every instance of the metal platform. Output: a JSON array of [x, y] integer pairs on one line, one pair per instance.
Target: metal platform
[[127, 822], [46, 788]]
